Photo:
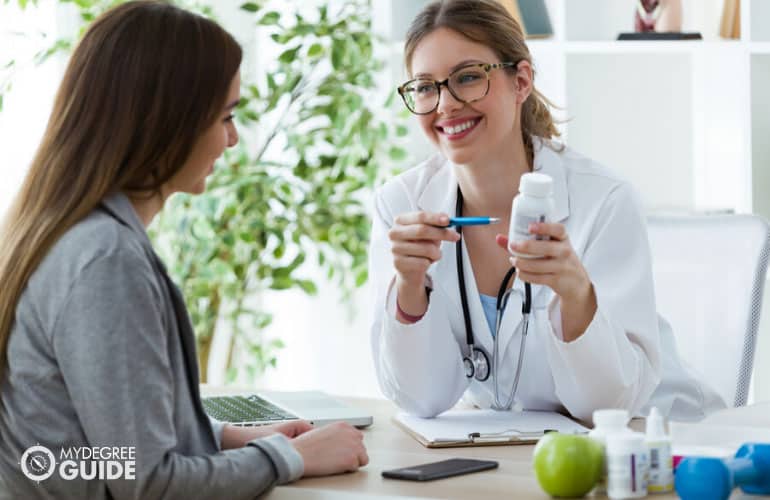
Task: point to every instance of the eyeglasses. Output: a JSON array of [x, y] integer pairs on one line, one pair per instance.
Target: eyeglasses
[[467, 84]]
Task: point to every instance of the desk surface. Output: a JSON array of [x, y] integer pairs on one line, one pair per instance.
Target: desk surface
[[390, 447]]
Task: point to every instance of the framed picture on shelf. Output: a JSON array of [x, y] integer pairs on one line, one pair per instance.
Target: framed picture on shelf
[[730, 27], [532, 15]]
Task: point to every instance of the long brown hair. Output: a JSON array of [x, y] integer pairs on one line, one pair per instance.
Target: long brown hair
[[489, 23], [146, 80]]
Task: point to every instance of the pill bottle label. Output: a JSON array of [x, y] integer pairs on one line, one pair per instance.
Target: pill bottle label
[[521, 232], [627, 475], [661, 469]]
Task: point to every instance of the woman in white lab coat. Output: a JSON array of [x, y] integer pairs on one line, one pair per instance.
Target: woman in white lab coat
[[594, 338]]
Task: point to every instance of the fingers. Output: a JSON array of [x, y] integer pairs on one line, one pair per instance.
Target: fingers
[[426, 249], [554, 230], [428, 218], [423, 232], [416, 243], [555, 249], [363, 457], [300, 427]]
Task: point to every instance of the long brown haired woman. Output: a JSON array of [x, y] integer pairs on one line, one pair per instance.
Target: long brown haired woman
[[96, 347]]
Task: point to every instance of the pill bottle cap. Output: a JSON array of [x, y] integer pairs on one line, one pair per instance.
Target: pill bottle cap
[[654, 429], [611, 419], [536, 184]]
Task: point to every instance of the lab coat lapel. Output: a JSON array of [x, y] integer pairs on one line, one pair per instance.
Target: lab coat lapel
[[440, 195]]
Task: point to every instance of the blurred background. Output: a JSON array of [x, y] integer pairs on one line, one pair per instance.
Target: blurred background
[[687, 122]]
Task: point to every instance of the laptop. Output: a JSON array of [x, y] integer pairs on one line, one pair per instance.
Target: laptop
[[272, 407]]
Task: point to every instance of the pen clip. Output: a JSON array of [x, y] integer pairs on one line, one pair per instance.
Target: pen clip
[[505, 436]]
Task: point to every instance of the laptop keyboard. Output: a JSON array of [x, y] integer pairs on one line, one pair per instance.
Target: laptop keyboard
[[244, 409]]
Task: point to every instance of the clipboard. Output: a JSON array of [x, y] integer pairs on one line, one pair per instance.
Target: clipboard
[[461, 428]]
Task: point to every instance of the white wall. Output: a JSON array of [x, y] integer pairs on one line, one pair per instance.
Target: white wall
[[28, 105]]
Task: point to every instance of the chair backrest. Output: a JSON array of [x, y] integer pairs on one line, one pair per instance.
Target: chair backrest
[[709, 273]]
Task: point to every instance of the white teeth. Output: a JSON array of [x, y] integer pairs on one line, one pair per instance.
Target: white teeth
[[459, 128]]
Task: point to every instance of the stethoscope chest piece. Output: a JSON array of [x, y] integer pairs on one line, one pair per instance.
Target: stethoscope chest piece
[[477, 365]]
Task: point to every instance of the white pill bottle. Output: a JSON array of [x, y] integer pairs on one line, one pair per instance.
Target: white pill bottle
[[659, 444], [607, 422], [534, 203], [627, 466]]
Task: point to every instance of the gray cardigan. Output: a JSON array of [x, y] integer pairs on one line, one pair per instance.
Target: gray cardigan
[[102, 353]]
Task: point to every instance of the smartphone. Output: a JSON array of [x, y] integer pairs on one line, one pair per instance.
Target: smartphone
[[439, 470]]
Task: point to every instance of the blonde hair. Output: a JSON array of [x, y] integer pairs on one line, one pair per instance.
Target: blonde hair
[[489, 23], [143, 84]]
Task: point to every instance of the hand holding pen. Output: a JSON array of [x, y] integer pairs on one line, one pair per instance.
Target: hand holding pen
[[416, 244]]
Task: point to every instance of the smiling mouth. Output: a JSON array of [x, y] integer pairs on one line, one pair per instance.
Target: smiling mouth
[[460, 128]]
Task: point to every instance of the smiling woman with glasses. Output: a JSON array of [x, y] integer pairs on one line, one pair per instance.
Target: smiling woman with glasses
[[595, 339]]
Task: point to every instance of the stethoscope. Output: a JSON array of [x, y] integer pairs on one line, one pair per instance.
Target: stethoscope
[[477, 361]]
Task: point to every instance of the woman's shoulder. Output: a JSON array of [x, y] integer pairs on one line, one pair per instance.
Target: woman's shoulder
[[97, 241], [584, 175], [577, 164], [413, 181]]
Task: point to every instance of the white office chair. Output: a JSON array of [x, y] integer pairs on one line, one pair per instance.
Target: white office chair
[[709, 273]]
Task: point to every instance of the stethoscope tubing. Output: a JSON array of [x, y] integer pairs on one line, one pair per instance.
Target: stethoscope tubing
[[503, 295]]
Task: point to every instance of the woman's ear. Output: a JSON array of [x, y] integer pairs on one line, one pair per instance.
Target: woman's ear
[[523, 81]]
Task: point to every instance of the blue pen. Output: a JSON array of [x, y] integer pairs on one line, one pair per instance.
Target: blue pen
[[472, 221]]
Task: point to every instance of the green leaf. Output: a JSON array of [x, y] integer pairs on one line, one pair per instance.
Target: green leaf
[[289, 55], [281, 283], [250, 7], [338, 54], [315, 50], [396, 153], [270, 19], [308, 287], [361, 277]]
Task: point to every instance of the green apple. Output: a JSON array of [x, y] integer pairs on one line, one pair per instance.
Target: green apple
[[567, 465]]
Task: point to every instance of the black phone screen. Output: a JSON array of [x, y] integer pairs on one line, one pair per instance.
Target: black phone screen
[[438, 470]]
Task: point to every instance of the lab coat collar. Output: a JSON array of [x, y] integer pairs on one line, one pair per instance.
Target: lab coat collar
[[548, 161]]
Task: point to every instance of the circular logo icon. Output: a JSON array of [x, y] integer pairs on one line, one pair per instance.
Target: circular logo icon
[[38, 463]]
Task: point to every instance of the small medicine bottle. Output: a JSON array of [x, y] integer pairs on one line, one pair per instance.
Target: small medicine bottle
[[607, 422], [627, 465], [534, 203], [661, 478]]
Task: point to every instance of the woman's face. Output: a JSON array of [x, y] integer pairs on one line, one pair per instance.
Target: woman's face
[[191, 178], [467, 133]]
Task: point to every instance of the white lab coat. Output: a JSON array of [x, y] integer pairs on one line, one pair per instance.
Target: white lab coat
[[618, 362]]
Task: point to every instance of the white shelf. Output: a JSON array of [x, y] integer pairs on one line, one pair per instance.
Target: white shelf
[[647, 47], [644, 47], [760, 47]]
